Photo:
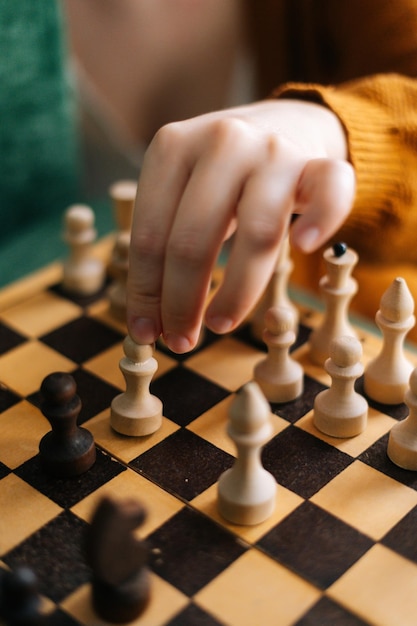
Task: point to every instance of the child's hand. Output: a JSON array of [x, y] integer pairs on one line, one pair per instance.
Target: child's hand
[[243, 171]]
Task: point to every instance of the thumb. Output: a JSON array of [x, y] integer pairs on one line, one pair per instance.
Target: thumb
[[324, 197]]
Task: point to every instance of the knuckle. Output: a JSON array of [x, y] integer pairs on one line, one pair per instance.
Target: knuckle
[[167, 139], [228, 131], [262, 235], [186, 248]]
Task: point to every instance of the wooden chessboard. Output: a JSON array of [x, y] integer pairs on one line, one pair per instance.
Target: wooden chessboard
[[341, 547]]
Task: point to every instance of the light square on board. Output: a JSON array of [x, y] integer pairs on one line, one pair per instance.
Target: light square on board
[[159, 504], [22, 427], [212, 425], [40, 314], [227, 362], [17, 369], [258, 579], [380, 588], [101, 311], [366, 499], [23, 511]]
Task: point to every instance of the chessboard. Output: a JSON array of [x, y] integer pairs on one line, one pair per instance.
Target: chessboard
[[339, 549]]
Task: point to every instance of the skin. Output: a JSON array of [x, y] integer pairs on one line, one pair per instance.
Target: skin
[[242, 171]]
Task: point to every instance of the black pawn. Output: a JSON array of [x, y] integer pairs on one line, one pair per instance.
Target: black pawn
[[118, 559], [67, 450], [19, 600]]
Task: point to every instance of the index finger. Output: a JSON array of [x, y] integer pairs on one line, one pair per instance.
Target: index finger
[[160, 188]]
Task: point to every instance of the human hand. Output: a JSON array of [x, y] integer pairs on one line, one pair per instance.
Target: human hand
[[243, 171]]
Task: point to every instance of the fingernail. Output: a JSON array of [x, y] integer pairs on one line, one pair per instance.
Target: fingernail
[[219, 324], [177, 343], [143, 330], [306, 240]]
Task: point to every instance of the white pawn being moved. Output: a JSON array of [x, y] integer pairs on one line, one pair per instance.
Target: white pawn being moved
[[136, 412], [246, 491], [279, 376], [84, 274], [338, 288], [387, 376], [276, 293], [340, 411], [402, 442]]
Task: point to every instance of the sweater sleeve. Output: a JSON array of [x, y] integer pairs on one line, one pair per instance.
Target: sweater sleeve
[[379, 115]]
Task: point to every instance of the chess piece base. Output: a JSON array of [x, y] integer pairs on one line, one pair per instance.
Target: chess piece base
[[84, 280], [335, 424], [256, 509], [384, 392], [285, 392], [59, 460], [402, 447], [125, 602], [128, 422]]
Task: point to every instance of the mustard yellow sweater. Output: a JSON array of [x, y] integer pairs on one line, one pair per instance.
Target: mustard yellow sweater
[[367, 52], [365, 49]]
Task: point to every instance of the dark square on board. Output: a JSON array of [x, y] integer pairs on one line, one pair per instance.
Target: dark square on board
[[328, 613], [316, 545], [9, 338], [301, 462], [95, 393], [190, 550], [7, 398], [66, 492], [183, 463], [186, 395], [376, 456], [402, 538], [81, 301], [55, 553], [4, 470], [82, 338], [192, 615]]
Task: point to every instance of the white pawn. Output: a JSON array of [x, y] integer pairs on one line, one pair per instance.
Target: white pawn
[[118, 269], [123, 194], [136, 412], [247, 492], [84, 274], [340, 411], [402, 442], [337, 288], [387, 376], [279, 376]]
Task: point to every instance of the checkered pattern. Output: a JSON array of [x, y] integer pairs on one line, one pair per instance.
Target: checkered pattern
[[340, 547]]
